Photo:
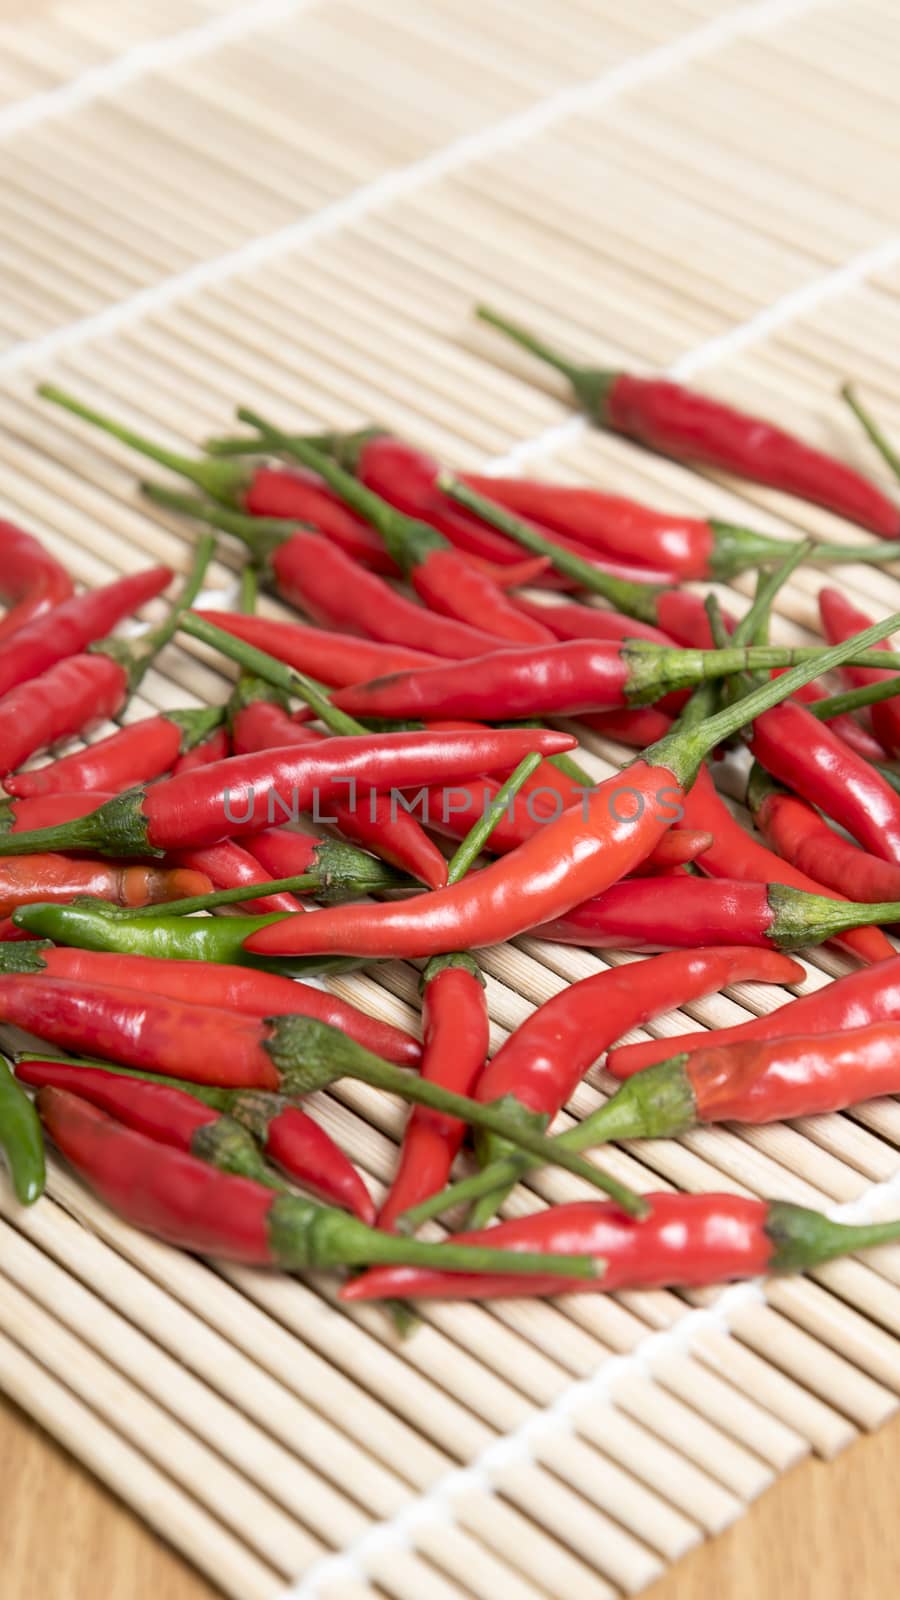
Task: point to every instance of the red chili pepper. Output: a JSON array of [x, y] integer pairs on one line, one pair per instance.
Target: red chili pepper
[[332, 658], [804, 753], [661, 914], [322, 580], [189, 1203], [209, 1045], [443, 578], [688, 547], [204, 754], [542, 1063], [229, 866], [174, 1117], [135, 754], [734, 853], [84, 688], [32, 581], [25, 880], [47, 811], [456, 1034], [585, 851], [205, 1044], [797, 832], [567, 620], [60, 703], [683, 616], [637, 727], [845, 726], [343, 872], [756, 1081], [202, 983], [676, 848], [376, 822], [686, 1241], [679, 422], [248, 793], [839, 619], [295, 495], [867, 996], [564, 678], [74, 624]]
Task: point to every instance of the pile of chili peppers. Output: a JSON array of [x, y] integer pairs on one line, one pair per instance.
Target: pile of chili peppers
[[168, 891]]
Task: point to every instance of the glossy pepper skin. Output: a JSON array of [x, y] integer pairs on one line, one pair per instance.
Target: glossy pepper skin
[[442, 577], [215, 748], [245, 794], [27, 879], [183, 1200], [869, 996], [332, 658], [32, 581], [21, 1140], [805, 755], [545, 1059], [376, 822], [798, 833], [687, 1240], [688, 547], [253, 994], [662, 913], [173, 1116], [676, 421], [135, 754], [752, 1081], [839, 619], [74, 624], [206, 1044], [456, 1034], [734, 853], [586, 850], [229, 866], [65, 699]]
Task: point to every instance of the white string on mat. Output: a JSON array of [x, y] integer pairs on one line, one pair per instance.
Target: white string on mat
[[152, 55], [755, 16]]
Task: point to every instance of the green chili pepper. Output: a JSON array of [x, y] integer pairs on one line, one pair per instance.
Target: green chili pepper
[[21, 1138]]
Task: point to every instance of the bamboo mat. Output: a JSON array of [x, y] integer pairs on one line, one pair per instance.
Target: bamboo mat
[[294, 205]]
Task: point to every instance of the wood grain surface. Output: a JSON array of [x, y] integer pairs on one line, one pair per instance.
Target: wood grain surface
[[826, 1529]]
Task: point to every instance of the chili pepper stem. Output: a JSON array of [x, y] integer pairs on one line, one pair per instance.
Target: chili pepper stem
[[264, 666], [803, 1238], [879, 439], [137, 657], [306, 1235], [261, 535], [855, 699], [591, 384], [224, 480], [310, 1055], [655, 1104]]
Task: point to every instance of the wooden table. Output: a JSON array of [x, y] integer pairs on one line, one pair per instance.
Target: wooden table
[[829, 1530]]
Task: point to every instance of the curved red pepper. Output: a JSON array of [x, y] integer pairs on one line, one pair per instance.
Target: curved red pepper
[[804, 753], [32, 581], [74, 624], [295, 495], [216, 748], [774, 1080], [60, 703], [870, 995], [543, 1062], [375, 821], [456, 1035], [798, 833], [229, 866]]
